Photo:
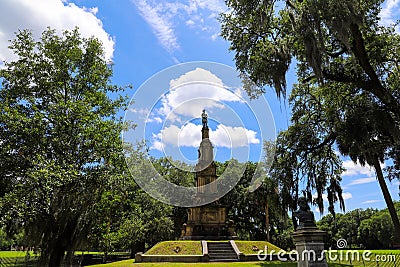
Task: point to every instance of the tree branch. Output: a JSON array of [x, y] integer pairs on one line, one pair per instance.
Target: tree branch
[[328, 141], [337, 53], [375, 85]]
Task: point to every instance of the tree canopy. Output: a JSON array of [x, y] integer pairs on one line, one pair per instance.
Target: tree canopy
[[60, 136], [347, 96]]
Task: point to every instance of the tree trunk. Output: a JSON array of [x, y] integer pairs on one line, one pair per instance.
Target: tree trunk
[[56, 257], [137, 247], [267, 219], [388, 199], [60, 239], [69, 258]]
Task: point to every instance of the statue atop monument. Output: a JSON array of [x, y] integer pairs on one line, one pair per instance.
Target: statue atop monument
[[204, 119], [304, 214]]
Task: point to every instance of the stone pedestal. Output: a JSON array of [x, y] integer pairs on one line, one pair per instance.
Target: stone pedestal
[[208, 222], [309, 243]]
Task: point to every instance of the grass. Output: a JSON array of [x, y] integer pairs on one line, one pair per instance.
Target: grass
[[22, 254], [20, 258], [17, 258], [194, 247], [377, 258], [14, 254], [130, 263], [252, 247], [176, 248], [392, 260]]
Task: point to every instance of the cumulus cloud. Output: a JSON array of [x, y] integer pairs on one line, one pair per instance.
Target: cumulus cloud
[[194, 91], [57, 14], [226, 136], [163, 16], [362, 181], [356, 169], [190, 135], [390, 12]]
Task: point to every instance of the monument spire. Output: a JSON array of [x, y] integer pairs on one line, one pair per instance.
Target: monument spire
[[204, 130], [209, 221]]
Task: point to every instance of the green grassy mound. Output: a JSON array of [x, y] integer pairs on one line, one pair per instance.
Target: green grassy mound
[[176, 248], [194, 247], [252, 247]]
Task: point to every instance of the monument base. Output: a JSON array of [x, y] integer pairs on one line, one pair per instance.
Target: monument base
[[209, 237], [309, 243], [207, 223]]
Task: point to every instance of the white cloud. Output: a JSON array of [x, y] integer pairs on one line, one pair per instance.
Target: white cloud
[[214, 36], [390, 12], [190, 22], [164, 16], [231, 137], [161, 25], [324, 196], [362, 181], [192, 92], [154, 119], [190, 135], [347, 195], [57, 14], [355, 169], [143, 111], [371, 201], [197, 75]]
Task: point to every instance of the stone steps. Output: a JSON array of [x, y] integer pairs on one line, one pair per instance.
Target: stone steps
[[221, 251]]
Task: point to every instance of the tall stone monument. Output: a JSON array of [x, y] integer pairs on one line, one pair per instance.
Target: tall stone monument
[[309, 240], [209, 221]]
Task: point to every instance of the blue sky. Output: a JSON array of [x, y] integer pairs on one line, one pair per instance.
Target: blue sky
[[144, 37]]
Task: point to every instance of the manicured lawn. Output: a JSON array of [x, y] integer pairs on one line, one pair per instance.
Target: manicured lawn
[[18, 254], [14, 254], [20, 258], [377, 258], [17, 258], [392, 260], [130, 263], [252, 247], [176, 248]]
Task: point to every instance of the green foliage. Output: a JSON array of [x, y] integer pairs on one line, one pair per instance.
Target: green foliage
[[60, 138], [347, 96], [128, 218], [5, 242], [377, 231], [248, 209], [339, 41], [370, 228]]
